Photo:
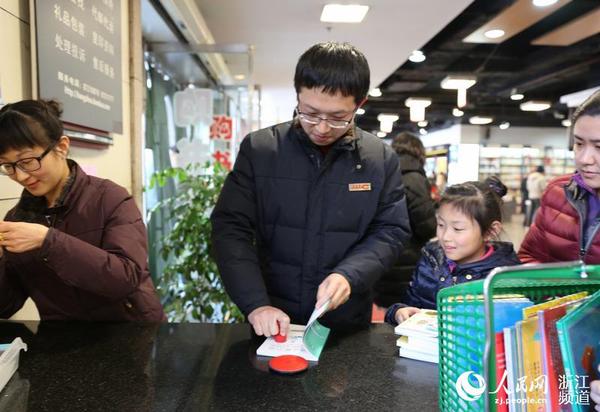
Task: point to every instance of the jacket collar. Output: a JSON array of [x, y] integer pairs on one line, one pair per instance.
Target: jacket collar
[[33, 208], [504, 254]]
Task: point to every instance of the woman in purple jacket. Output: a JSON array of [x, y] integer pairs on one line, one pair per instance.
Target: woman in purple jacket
[[74, 243]]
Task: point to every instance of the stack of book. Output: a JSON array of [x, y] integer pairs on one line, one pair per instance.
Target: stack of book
[[419, 337]]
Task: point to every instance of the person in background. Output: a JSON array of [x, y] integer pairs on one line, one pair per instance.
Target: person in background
[[469, 218], [74, 244], [568, 221], [314, 210], [440, 181], [524, 198], [536, 183], [421, 212]]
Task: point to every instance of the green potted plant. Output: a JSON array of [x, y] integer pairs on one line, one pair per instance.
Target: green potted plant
[[190, 285]]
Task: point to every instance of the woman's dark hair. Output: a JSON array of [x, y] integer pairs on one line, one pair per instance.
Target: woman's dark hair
[[481, 201], [30, 123], [336, 67], [408, 143], [590, 107]]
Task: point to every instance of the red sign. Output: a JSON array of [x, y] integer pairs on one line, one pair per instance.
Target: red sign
[[221, 128]]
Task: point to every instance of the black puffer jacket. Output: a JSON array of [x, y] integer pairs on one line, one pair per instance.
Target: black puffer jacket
[[421, 212], [288, 216]]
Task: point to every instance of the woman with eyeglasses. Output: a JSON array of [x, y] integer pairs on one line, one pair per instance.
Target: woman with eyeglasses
[[75, 244]]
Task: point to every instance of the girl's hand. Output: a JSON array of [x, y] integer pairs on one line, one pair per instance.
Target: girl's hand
[[19, 237], [403, 314]]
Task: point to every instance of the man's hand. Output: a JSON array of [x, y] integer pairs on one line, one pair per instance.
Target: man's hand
[[19, 237], [336, 288], [268, 321], [403, 314]]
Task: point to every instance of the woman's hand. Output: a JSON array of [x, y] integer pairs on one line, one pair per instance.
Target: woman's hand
[[404, 313], [19, 237]]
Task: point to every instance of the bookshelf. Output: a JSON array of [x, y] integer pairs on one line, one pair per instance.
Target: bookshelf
[[512, 164]]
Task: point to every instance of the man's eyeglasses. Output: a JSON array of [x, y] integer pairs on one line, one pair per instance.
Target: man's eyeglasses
[[314, 120], [28, 164]]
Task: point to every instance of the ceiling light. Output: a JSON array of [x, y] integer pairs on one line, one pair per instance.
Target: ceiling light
[[517, 96], [566, 123], [360, 111], [386, 122], [417, 107], [376, 92], [544, 3], [534, 106], [423, 131], [416, 56], [381, 135], [456, 112], [494, 33], [504, 125], [239, 76], [423, 123], [481, 120], [461, 84], [343, 13]]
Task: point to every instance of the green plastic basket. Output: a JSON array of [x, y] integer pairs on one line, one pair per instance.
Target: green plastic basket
[[466, 329]]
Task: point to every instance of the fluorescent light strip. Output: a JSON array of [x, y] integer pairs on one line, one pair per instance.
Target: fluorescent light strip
[[343, 13]]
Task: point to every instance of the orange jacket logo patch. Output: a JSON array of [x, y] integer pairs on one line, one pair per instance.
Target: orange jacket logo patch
[[359, 187]]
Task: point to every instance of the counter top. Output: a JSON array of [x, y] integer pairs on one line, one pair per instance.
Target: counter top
[[194, 366]]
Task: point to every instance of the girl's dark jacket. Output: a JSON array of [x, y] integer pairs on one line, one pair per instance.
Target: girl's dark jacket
[[93, 262], [433, 273]]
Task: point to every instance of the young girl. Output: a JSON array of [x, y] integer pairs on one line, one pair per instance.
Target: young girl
[[468, 219]]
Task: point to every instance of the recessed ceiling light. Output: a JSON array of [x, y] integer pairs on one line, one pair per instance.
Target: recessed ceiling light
[[517, 96], [417, 107], [494, 33], [457, 112], [386, 121], [423, 123], [381, 135], [504, 125], [416, 56], [481, 120], [360, 111], [239, 76], [375, 92], [544, 3], [460, 84], [566, 123], [535, 106], [343, 13]]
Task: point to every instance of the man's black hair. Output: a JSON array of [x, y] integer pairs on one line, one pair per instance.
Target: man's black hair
[[335, 67]]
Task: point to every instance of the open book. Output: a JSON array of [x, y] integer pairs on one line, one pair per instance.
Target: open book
[[304, 341]]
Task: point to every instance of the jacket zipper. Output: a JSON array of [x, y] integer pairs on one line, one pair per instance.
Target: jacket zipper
[[582, 248]]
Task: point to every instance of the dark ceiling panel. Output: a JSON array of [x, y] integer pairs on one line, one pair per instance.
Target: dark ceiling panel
[[541, 72]]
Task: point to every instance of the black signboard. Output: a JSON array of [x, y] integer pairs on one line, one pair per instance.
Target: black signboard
[[79, 62]]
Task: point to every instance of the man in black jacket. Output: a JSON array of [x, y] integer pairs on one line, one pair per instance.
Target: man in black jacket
[[314, 209]]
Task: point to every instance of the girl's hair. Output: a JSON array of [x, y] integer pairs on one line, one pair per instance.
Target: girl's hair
[[407, 142], [30, 123], [481, 201]]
